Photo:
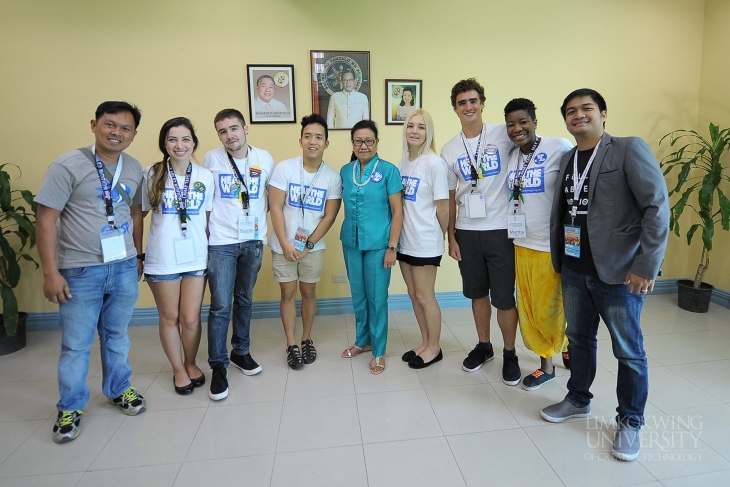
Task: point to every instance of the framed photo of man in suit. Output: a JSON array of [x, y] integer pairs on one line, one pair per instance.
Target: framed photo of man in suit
[[341, 87], [271, 93]]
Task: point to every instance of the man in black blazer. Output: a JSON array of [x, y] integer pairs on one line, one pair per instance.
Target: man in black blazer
[[608, 234]]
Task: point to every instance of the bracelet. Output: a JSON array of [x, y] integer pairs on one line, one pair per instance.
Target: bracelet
[[141, 256]]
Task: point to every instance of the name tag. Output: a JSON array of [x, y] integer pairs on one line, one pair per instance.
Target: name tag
[[112, 246], [572, 241], [184, 250], [476, 206], [516, 226], [248, 228], [300, 238]]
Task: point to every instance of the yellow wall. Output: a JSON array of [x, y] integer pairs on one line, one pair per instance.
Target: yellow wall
[[185, 57], [715, 108]]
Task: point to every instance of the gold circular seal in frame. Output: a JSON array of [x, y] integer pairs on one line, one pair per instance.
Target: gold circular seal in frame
[[396, 91], [334, 68], [281, 79]]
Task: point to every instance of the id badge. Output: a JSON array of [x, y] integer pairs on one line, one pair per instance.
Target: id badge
[[112, 246], [248, 227], [516, 226], [300, 238], [476, 206], [184, 250], [572, 241]]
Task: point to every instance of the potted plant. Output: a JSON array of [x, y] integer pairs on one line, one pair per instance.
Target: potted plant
[[700, 176], [17, 230]]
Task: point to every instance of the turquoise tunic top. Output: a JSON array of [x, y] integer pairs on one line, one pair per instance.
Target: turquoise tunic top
[[367, 208]]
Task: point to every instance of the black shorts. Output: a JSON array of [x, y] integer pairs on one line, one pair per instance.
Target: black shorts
[[418, 261], [487, 266]]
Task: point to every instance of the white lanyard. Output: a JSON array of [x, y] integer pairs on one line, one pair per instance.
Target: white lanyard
[[578, 183], [354, 173], [302, 195]]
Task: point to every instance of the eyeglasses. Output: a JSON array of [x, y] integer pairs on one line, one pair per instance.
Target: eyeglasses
[[367, 142]]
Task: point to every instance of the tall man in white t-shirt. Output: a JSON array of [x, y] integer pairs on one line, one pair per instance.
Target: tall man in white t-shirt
[[477, 232], [304, 196], [237, 229]]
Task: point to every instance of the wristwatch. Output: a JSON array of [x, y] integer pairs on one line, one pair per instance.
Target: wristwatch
[[141, 256], [392, 248], [310, 244]]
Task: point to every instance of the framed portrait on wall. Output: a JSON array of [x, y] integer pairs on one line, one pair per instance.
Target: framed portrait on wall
[[271, 93], [402, 96], [341, 87]]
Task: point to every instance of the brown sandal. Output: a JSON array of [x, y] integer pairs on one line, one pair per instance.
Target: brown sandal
[[354, 351], [377, 366]]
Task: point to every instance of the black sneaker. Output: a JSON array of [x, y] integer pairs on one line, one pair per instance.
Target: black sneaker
[[482, 353], [511, 373], [130, 402], [67, 426], [219, 383], [293, 357], [246, 363]]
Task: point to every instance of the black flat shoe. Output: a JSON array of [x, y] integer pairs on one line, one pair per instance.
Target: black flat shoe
[[184, 390], [409, 355], [418, 363], [198, 381]]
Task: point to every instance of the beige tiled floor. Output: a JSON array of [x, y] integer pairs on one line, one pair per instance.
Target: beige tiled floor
[[334, 423]]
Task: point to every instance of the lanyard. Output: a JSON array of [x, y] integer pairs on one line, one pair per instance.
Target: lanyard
[[519, 180], [302, 195], [181, 197], [106, 188], [581, 179], [354, 172], [241, 180], [473, 165]]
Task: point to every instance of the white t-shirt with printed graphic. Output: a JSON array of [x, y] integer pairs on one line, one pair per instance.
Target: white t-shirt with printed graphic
[[256, 168], [493, 153], [165, 224], [540, 184], [425, 181], [287, 177]]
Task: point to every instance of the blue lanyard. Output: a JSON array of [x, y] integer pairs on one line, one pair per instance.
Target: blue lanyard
[[181, 197], [106, 189]]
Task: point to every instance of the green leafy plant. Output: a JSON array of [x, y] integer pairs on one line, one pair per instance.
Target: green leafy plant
[[700, 175], [17, 221]]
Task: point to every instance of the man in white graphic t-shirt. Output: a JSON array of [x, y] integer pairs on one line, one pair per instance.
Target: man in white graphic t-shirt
[[304, 196], [477, 232], [237, 229]]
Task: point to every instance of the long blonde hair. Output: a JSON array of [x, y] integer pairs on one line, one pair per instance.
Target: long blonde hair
[[429, 145]]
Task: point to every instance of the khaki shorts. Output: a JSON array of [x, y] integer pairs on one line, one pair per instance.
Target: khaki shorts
[[308, 269]]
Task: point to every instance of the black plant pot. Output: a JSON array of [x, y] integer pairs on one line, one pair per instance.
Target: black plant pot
[[10, 344], [696, 300]]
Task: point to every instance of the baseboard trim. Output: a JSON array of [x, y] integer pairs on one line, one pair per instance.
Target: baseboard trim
[[336, 306]]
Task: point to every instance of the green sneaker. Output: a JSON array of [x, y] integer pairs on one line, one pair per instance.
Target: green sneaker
[[130, 402], [67, 426]]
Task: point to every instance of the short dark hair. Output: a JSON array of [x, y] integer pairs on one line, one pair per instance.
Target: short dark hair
[[595, 96], [229, 113], [521, 104], [362, 124], [467, 85], [114, 107], [263, 76], [314, 118]]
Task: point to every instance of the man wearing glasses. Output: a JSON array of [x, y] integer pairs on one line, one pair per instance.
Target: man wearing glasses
[[478, 230], [347, 107]]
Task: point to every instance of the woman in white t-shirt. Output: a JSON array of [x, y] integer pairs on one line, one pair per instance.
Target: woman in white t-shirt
[[426, 216], [177, 247]]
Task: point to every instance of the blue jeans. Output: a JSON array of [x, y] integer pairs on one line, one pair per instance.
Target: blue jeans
[[232, 272], [585, 299], [103, 299]]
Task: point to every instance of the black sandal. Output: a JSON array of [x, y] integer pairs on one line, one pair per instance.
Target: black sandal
[[309, 353], [293, 357]]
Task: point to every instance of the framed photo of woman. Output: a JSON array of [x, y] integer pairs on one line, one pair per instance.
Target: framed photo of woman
[[271, 93], [402, 96]]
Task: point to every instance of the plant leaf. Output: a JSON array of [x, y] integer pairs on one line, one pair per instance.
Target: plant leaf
[[691, 232]]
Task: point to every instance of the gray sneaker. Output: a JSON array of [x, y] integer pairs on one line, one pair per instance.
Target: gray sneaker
[[67, 426], [130, 402], [557, 413], [626, 443]]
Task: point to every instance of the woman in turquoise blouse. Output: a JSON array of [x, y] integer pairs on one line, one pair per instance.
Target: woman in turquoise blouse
[[371, 193]]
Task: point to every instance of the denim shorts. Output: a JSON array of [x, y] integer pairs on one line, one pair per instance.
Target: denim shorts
[[175, 277]]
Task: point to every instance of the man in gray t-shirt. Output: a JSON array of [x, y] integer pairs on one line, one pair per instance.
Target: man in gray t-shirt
[[92, 261]]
